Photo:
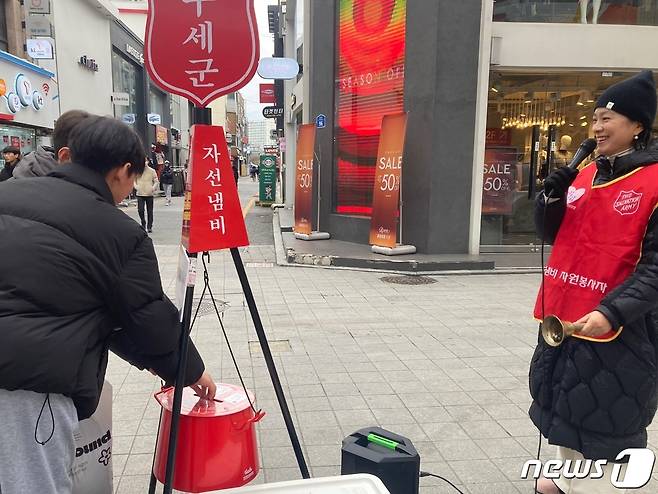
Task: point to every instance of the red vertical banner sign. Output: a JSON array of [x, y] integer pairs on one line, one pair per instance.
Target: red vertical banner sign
[[304, 179], [386, 190], [212, 218]]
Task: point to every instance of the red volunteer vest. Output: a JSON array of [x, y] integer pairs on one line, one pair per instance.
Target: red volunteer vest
[[599, 242]]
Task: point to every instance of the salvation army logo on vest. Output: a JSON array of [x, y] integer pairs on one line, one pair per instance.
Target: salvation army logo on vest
[[628, 202]]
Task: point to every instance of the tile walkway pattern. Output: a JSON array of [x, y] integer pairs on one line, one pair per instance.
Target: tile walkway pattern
[[444, 364]]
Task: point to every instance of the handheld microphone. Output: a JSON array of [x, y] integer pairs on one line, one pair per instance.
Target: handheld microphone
[[584, 150]]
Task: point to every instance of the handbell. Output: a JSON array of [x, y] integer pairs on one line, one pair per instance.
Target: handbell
[[554, 331]]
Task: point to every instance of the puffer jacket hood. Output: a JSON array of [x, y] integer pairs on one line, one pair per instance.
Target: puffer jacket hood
[[38, 163]]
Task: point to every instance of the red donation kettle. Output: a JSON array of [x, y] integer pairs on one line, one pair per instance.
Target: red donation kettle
[[217, 446]]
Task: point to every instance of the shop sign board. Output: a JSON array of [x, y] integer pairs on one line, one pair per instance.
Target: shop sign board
[[161, 135], [29, 92], [267, 94], [212, 215], [135, 53], [278, 68], [154, 118], [271, 149], [38, 25], [498, 181], [267, 179], [128, 118], [186, 52], [388, 174], [273, 111], [120, 99], [321, 121], [38, 6], [40, 49], [304, 179]]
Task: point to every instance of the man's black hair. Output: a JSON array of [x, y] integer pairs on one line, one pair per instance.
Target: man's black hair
[[11, 149], [64, 125], [105, 143]]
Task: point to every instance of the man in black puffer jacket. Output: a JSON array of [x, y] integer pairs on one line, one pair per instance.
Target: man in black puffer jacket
[[73, 269], [595, 394]]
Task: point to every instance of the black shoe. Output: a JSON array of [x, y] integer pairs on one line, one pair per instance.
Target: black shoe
[[150, 230]]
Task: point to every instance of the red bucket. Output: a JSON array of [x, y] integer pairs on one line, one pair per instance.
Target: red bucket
[[216, 440]]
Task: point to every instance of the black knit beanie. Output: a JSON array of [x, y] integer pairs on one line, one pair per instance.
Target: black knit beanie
[[634, 98]]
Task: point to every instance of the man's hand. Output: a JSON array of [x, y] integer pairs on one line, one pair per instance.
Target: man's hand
[[205, 387], [596, 324]]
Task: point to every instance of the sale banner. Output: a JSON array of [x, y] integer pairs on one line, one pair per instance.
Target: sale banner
[[267, 179], [499, 181], [386, 190], [212, 216], [201, 49], [304, 179]]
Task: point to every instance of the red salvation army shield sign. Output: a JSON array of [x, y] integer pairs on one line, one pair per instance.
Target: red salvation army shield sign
[[201, 49]]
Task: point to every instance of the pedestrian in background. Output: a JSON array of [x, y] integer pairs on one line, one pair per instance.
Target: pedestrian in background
[[74, 268], [235, 165], [12, 156], [167, 179], [595, 394], [41, 162], [146, 185]]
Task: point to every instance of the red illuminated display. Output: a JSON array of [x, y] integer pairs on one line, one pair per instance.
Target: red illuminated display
[[369, 85]]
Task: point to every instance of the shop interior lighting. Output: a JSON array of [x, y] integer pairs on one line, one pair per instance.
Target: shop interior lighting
[[524, 113], [584, 124]]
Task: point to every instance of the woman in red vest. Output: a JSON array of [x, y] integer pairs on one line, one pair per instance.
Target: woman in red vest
[[595, 395]]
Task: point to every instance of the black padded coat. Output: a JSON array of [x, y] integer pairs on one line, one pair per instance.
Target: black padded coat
[[73, 270]]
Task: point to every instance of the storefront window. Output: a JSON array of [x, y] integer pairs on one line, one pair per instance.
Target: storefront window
[[22, 138], [157, 102], [629, 12], [369, 84], [540, 114], [125, 79]]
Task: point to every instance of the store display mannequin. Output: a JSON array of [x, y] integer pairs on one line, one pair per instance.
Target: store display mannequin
[[563, 156], [583, 11]]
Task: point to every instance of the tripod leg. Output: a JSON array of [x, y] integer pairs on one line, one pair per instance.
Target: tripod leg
[[271, 367], [178, 389], [153, 483]]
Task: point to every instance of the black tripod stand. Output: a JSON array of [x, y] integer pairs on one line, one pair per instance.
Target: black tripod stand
[[203, 116]]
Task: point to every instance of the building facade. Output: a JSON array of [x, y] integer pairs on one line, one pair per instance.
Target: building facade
[[481, 82], [260, 134], [30, 93]]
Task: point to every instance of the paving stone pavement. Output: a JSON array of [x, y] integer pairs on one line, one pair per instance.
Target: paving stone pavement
[[444, 364]]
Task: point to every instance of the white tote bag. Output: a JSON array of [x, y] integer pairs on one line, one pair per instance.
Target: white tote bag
[[92, 466]]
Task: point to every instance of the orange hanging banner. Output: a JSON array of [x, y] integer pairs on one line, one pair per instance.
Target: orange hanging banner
[[304, 179], [212, 218], [386, 190]]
